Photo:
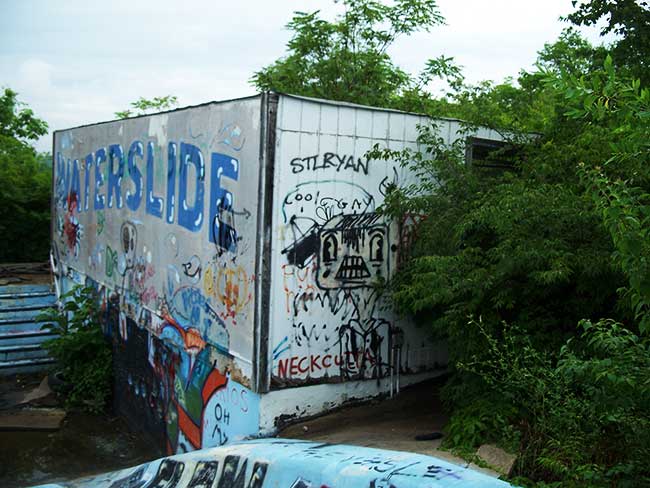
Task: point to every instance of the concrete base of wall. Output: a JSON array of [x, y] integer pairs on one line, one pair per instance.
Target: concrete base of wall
[[309, 401]]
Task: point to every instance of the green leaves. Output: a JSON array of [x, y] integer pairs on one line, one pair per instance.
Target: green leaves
[[25, 184], [581, 420], [17, 121], [630, 20], [620, 187], [562, 236], [143, 106], [80, 348]]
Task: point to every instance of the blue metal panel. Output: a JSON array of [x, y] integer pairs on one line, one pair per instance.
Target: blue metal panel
[[20, 333], [23, 290]]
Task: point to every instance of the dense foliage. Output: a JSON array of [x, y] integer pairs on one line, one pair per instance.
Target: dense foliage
[[630, 21], [80, 348], [536, 271], [575, 418], [518, 267], [25, 184]]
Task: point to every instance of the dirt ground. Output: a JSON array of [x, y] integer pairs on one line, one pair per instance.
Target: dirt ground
[[84, 445], [386, 424]]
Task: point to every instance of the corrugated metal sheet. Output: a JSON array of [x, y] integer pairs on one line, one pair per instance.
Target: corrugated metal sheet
[[20, 334]]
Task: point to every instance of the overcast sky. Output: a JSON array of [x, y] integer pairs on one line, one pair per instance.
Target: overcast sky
[[79, 61]]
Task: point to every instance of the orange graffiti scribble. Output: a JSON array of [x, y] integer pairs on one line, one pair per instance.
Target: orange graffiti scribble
[[298, 281], [231, 288]]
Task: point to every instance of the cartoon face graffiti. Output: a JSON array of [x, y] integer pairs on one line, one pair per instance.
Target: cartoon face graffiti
[[128, 242], [353, 251]]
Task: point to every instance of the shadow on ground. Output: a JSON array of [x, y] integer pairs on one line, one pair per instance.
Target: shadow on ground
[[385, 424]]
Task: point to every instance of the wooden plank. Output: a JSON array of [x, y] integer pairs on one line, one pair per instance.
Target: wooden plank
[[32, 419]]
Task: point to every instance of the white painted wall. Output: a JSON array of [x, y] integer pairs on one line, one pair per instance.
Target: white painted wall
[[129, 233], [159, 213], [328, 322]]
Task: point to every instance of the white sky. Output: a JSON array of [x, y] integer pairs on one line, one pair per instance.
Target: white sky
[[79, 61]]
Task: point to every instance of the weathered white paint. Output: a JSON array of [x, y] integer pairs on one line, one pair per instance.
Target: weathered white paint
[[291, 404], [159, 214], [149, 253]]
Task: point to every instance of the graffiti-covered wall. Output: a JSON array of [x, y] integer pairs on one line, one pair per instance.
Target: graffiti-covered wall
[[240, 251], [333, 249], [160, 214]]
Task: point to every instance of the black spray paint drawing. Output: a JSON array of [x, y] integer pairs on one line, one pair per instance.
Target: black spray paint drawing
[[348, 246]]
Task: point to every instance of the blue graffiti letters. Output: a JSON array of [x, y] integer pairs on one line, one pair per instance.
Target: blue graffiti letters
[[191, 217], [100, 157], [222, 217], [154, 203], [183, 201], [133, 199]]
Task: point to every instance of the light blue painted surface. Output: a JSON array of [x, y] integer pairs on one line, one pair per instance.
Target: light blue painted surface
[[20, 332], [281, 463]]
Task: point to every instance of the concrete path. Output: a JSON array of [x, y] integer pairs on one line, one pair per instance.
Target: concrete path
[[386, 424]]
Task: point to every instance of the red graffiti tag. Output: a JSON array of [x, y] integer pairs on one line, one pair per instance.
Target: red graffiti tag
[[301, 365]]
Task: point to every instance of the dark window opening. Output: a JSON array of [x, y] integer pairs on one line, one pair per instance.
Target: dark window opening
[[495, 155]]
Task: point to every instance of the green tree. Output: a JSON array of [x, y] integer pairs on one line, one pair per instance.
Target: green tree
[[144, 106], [347, 59], [630, 21], [17, 120], [25, 184], [620, 187], [525, 245], [517, 267]]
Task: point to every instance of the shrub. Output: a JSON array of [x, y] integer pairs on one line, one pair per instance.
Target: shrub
[[582, 419], [80, 348]]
